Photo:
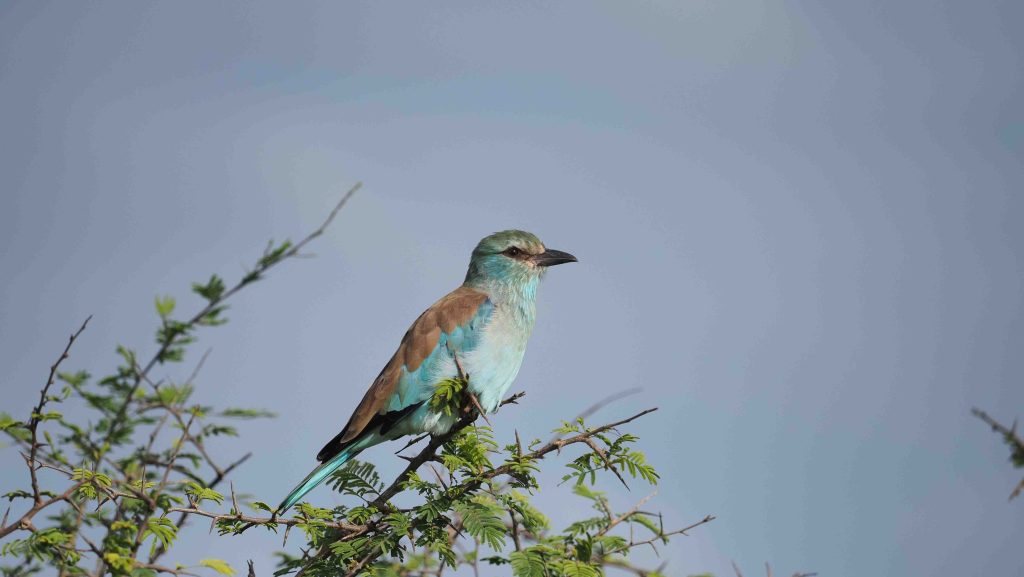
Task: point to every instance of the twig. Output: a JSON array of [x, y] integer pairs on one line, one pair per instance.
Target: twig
[[413, 442], [607, 463], [37, 413], [25, 521], [361, 564], [602, 404], [515, 531], [1011, 438], [479, 409], [607, 401], [199, 366], [472, 397], [636, 509], [558, 444], [662, 536], [195, 510]]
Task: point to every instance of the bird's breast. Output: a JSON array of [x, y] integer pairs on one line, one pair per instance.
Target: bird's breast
[[493, 364]]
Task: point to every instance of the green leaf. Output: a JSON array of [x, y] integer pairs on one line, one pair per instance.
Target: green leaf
[[74, 379], [641, 519], [578, 569], [448, 396], [17, 494], [357, 478], [199, 493], [247, 413], [165, 306], [533, 520], [218, 565], [527, 563], [163, 529], [483, 520], [8, 422], [360, 515], [261, 506], [273, 255], [212, 290]]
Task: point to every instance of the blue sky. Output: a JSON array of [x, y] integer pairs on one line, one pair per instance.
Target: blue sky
[[798, 226]]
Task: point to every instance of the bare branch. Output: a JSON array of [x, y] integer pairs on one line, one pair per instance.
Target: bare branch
[[662, 536], [213, 304], [636, 509], [37, 413]]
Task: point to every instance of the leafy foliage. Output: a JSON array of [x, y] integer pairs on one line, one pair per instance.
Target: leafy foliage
[[136, 465]]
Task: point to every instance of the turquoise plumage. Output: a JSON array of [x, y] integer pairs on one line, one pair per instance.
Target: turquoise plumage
[[481, 327]]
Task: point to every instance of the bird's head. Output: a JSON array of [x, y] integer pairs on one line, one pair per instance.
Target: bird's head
[[512, 257]]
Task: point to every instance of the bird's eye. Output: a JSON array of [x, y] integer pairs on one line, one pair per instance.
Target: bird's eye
[[513, 251]]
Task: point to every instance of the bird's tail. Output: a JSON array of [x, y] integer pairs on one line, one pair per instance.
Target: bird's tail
[[315, 477]]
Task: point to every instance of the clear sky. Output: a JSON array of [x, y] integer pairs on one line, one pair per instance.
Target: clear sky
[[799, 227]]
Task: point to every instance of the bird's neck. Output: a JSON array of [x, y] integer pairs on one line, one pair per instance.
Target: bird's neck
[[518, 298]]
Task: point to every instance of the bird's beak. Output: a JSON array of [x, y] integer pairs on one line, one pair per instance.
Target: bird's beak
[[551, 257]]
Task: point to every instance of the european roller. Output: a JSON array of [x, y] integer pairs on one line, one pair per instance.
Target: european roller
[[478, 330]]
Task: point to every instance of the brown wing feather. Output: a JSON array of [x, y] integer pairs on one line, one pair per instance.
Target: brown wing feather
[[454, 309]]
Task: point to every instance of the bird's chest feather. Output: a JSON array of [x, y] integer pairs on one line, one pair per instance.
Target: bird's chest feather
[[493, 364]]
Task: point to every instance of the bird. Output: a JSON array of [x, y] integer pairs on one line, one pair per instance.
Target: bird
[[477, 332]]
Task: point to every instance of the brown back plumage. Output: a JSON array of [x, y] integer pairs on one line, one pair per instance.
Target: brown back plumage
[[454, 309]]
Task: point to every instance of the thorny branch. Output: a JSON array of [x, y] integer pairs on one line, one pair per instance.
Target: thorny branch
[[37, 413]]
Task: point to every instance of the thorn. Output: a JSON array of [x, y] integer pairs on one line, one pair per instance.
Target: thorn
[[413, 442]]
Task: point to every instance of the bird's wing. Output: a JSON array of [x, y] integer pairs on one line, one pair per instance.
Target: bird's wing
[[452, 324]]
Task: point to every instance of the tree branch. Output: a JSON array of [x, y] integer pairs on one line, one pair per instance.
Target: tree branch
[[37, 413], [262, 267], [1011, 438]]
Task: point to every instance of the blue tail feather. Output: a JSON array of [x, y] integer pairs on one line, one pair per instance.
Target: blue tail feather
[[315, 477]]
